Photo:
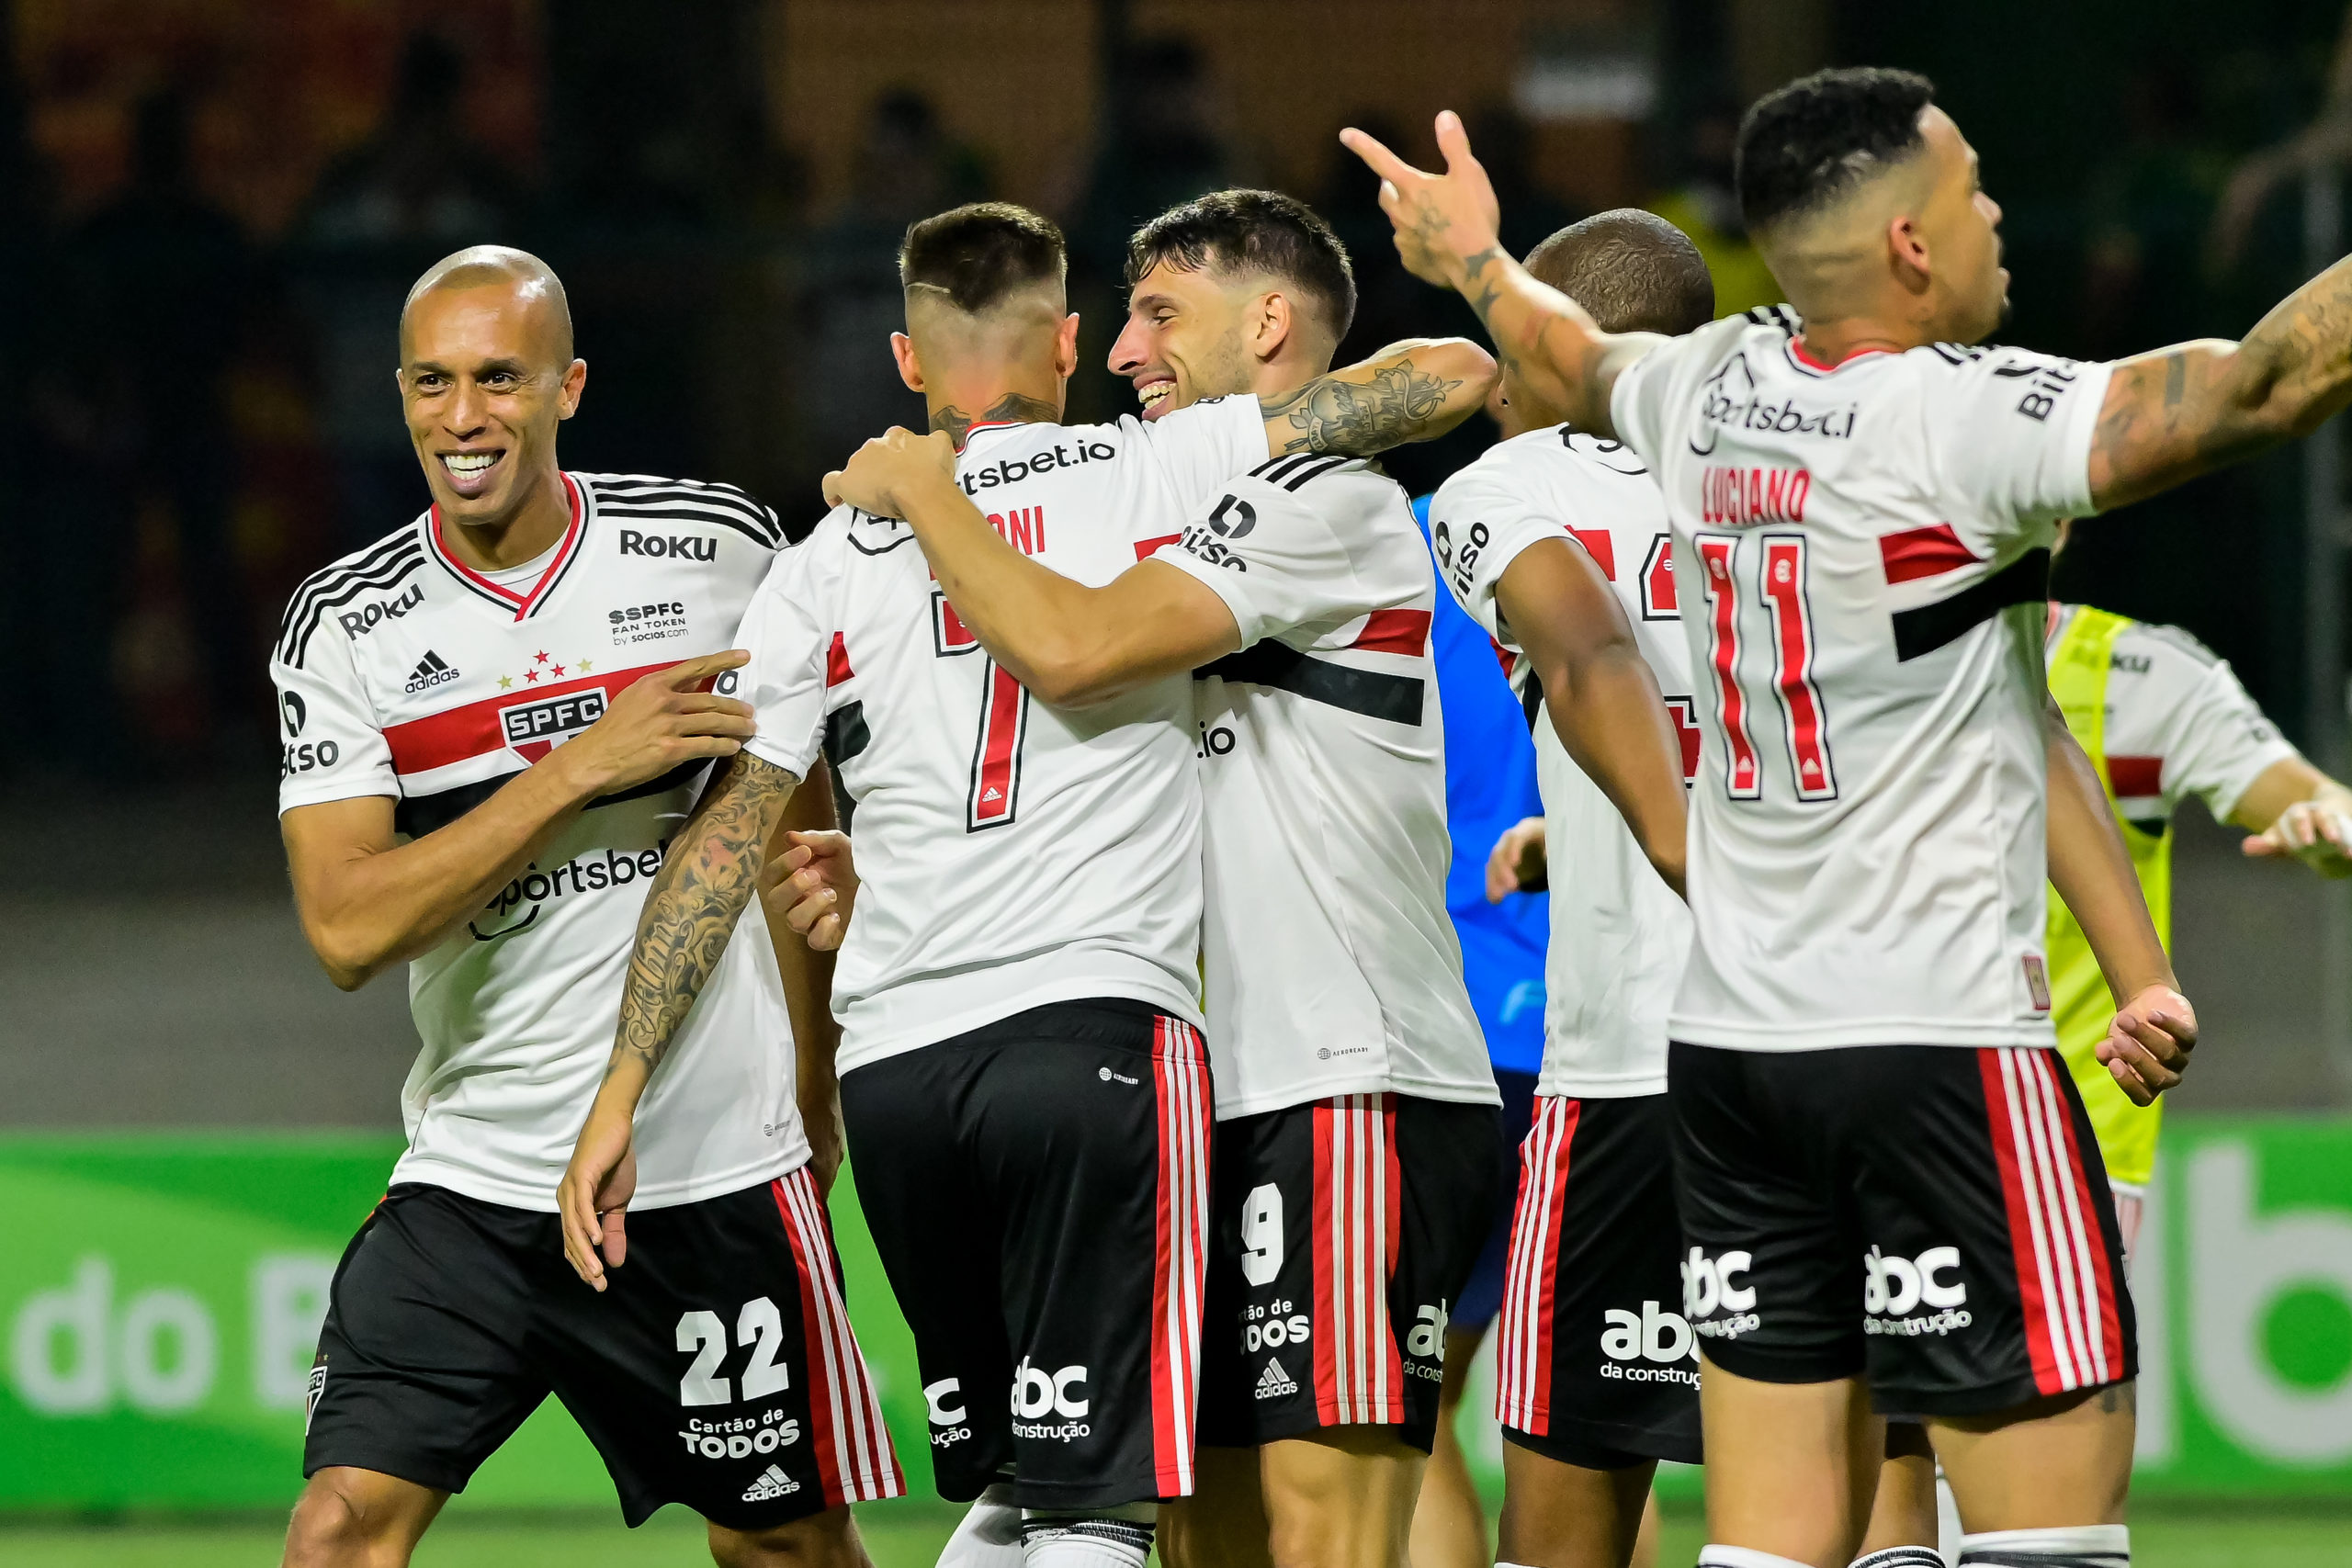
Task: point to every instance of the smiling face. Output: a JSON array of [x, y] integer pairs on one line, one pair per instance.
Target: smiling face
[[485, 376], [1185, 338]]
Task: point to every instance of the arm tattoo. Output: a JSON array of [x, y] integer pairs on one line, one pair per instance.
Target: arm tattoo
[[711, 871], [1362, 418], [1012, 406]]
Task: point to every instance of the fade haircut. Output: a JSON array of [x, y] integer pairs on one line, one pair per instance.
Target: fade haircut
[[478, 265], [1805, 146], [977, 255], [1631, 270], [1253, 231]]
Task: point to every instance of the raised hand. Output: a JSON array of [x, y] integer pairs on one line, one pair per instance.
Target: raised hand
[[1443, 220], [812, 887], [889, 468], [666, 719], [2146, 1049]]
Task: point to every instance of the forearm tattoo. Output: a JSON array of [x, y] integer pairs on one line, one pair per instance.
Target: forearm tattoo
[[1012, 406], [1399, 404], [712, 870]]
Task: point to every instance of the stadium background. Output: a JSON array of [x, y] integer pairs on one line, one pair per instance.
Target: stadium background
[[208, 211]]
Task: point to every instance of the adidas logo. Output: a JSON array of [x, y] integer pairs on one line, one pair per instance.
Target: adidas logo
[[773, 1483], [1273, 1382], [431, 671]]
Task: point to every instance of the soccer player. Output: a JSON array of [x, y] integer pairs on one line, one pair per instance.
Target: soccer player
[[1023, 1078], [495, 718], [1358, 1134], [1597, 1372], [1868, 1100]]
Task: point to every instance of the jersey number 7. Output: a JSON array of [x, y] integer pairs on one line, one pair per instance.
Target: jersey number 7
[[1004, 723], [1780, 574]]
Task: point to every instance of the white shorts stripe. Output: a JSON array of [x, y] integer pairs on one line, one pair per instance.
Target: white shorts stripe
[[868, 1467], [2029, 1183], [2079, 1229]]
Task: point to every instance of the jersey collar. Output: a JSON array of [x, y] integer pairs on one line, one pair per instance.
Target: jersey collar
[[984, 427], [521, 605], [1805, 360]]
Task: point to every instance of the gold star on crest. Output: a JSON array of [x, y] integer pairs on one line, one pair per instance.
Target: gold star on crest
[[504, 682], [583, 667]]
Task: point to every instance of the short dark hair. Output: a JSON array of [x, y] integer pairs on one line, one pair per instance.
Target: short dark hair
[[980, 253], [1631, 271], [1252, 230], [1804, 145]]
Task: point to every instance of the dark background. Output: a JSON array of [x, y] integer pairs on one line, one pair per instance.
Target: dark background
[[210, 211]]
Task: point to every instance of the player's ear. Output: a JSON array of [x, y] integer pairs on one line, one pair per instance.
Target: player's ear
[[1269, 324], [902, 349], [1906, 246], [575, 381], [1065, 346]]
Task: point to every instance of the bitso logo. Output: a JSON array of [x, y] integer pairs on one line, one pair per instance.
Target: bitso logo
[[1713, 1283], [1893, 1287]]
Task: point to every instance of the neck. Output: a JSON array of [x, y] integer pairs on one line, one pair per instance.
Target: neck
[[530, 528], [1290, 367], [956, 406], [1835, 342]]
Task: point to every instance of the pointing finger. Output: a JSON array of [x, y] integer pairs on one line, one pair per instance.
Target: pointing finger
[[1381, 160]]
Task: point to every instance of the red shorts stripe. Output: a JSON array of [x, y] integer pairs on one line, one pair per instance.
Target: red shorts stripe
[[852, 1442], [1523, 1354], [2065, 1284], [1181, 1079], [2085, 1245], [1358, 1375]]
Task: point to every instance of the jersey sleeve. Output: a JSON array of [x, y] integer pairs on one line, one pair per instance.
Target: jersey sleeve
[[2010, 432], [1478, 526], [1278, 563], [2216, 741], [1643, 392], [331, 744], [1201, 446], [789, 630]]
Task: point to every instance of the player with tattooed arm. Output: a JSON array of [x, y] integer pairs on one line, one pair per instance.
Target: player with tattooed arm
[[1023, 1078]]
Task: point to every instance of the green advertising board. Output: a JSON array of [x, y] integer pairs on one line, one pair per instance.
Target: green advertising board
[[161, 1297]]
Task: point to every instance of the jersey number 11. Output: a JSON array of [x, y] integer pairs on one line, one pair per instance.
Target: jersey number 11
[[1780, 582]]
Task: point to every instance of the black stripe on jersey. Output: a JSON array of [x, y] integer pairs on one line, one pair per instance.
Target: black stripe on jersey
[[1778, 316], [845, 733], [418, 815], [1298, 476], [2025, 581], [1372, 693], [1273, 468], [667, 510], [384, 557], [644, 493], [311, 607]]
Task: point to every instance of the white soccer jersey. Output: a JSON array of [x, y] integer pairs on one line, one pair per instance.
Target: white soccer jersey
[[1861, 554], [1332, 965], [2177, 724], [400, 671], [1010, 854], [1619, 934]]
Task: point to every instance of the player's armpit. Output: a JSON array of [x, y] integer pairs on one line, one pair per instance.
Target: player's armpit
[[1413, 391], [806, 967], [1603, 699], [2294, 810]]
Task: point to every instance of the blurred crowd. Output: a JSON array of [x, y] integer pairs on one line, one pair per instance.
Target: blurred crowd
[[194, 415]]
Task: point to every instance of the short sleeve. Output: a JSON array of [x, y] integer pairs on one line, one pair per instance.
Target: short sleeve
[[1278, 563], [1478, 526], [1202, 446], [789, 630], [1639, 399], [2219, 741], [2011, 432], [331, 744]]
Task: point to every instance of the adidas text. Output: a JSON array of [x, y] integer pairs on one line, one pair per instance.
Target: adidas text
[[431, 671], [773, 1483], [1274, 1382]]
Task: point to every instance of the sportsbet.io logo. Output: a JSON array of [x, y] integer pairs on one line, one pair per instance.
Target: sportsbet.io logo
[[533, 729]]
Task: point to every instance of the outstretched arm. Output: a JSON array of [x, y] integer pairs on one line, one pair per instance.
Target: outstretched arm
[[2148, 1047], [711, 871], [1447, 234], [1603, 699], [2295, 811], [2184, 410], [1416, 389]]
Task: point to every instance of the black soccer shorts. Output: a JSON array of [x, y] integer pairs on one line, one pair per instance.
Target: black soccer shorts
[[1345, 1228], [1594, 1365], [1038, 1190], [1933, 1217], [718, 1369]]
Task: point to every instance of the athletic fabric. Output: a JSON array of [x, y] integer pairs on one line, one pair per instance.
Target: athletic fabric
[[1482, 1294], [1038, 1189], [1012, 854], [403, 672], [718, 1369], [1955, 1196], [1331, 966], [1594, 1353], [1619, 934], [1862, 554], [2161, 717], [1344, 1230]]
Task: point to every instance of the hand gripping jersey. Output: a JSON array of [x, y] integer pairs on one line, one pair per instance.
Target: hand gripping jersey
[[400, 671], [2162, 718], [1332, 966], [1012, 854], [1619, 934], [1859, 557]]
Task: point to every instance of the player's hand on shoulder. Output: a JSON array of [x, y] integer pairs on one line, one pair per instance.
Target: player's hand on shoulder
[[2146, 1049], [882, 474], [2316, 832], [668, 717], [594, 1195], [1518, 862], [812, 887]]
